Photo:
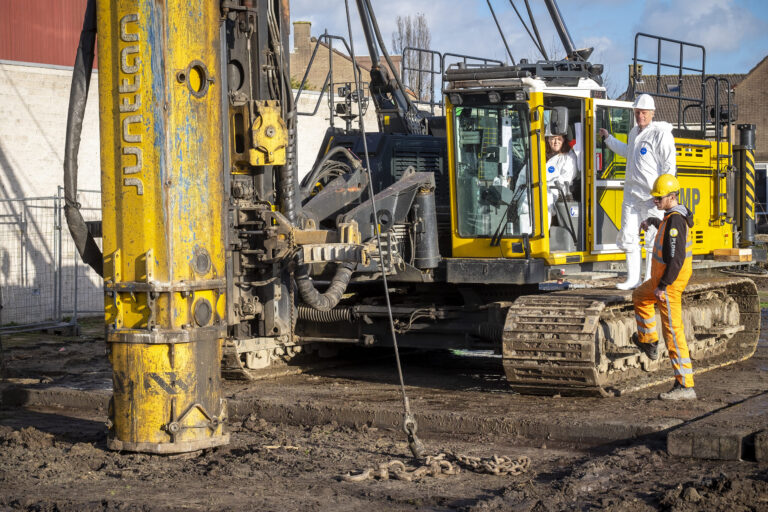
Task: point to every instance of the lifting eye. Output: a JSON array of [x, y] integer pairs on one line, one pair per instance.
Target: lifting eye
[[196, 77]]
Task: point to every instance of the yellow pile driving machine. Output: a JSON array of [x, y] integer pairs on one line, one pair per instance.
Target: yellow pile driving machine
[[214, 253]]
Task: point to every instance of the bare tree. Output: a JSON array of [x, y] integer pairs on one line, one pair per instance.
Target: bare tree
[[414, 33]]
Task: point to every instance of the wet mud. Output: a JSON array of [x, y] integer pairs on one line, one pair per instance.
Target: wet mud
[[55, 458]]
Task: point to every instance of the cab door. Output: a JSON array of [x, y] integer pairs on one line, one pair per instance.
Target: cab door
[[608, 183]]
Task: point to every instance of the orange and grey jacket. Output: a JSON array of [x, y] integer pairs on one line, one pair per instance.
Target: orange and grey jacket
[[672, 242]]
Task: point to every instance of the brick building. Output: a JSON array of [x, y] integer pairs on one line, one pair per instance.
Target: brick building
[[752, 99], [327, 56], [748, 92]]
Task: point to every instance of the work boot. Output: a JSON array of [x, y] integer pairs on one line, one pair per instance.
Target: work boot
[[678, 392], [648, 264], [651, 350], [633, 271]]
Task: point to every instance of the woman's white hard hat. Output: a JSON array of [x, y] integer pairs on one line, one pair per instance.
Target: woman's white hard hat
[[644, 102]]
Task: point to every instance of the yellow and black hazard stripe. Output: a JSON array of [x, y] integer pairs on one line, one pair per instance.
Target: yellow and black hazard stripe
[[749, 183]]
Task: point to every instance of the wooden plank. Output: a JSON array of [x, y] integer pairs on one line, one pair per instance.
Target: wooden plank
[[732, 254]]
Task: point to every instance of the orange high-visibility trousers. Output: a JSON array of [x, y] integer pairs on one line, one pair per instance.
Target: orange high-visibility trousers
[[670, 309]]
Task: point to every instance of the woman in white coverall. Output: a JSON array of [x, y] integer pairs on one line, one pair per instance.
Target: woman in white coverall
[[650, 152], [561, 170]]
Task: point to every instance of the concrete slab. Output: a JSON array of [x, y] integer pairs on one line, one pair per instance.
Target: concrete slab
[[726, 434], [761, 446], [584, 431]]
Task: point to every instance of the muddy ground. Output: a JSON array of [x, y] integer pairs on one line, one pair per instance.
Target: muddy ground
[[56, 459]]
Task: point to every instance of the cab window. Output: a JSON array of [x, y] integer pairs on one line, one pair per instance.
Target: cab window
[[492, 171]]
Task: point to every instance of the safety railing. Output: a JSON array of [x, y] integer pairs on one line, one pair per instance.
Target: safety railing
[[326, 41], [422, 72]]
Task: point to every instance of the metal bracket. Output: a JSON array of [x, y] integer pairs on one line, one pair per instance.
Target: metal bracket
[[270, 135]]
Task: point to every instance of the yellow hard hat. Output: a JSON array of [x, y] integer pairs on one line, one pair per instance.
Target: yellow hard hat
[[665, 184]]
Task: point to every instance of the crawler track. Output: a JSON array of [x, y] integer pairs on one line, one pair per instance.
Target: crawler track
[[577, 342]]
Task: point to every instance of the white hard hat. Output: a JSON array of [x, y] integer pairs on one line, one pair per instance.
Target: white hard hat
[[644, 102]]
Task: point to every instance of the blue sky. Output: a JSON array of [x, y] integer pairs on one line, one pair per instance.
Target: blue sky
[[733, 32]]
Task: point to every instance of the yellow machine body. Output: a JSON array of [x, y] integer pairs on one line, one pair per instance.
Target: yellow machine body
[[163, 232], [701, 170]]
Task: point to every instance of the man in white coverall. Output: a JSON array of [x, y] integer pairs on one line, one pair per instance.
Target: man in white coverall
[[650, 152]]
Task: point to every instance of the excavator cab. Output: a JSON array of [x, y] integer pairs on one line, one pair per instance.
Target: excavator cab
[[509, 202]]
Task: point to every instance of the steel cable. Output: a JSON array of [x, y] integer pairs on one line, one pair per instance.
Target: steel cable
[[409, 422]]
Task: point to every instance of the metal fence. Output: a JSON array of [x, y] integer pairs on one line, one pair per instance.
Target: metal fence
[[43, 282]]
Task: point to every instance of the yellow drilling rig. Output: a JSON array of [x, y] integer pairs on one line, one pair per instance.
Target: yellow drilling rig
[[217, 257]]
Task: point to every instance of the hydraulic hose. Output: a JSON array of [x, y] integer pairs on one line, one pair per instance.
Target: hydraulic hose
[[332, 316], [289, 173], [328, 300], [309, 180], [289, 189], [78, 97], [375, 24]]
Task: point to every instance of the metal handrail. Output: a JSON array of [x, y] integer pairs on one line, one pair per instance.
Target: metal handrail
[[421, 69], [468, 61], [679, 66], [328, 77]]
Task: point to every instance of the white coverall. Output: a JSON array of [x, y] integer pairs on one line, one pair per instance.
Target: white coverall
[[649, 154], [561, 171]]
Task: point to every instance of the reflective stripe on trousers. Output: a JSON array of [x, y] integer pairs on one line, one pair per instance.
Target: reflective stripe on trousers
[[670, 310]]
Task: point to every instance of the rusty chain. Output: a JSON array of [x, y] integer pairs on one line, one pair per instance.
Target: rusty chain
[[443, 464], [494, 464]]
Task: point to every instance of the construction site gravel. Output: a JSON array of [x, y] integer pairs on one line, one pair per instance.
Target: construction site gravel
[[330, 439]]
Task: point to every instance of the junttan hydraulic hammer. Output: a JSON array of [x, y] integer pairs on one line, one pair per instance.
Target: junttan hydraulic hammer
[[164, 257]]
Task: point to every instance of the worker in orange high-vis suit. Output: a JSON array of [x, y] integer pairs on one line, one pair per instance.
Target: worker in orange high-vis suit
[[670, 271]]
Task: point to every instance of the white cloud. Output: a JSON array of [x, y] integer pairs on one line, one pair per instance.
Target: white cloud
[[718, 25]]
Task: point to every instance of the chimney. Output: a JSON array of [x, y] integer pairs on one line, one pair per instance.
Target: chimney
[[632, 84], [301, 34]]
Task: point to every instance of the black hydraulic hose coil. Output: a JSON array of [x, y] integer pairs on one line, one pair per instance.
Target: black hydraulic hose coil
[[335, 315], [308, 182], [491, 331], [78, 96], [328, 300], [289, 173]]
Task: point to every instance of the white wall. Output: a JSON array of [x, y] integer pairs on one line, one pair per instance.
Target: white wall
[[33, 123], [311, 129]]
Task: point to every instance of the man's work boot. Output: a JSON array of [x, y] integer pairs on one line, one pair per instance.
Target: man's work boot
[[649, 349], [678, 392]]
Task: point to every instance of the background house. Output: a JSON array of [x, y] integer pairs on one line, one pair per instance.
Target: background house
[[748, 93], [332, 53]]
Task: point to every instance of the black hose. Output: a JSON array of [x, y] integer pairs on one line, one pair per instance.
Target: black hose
[[309, 180], [331, 316], [491, 331], [289, 173], [78, 97], [328, 300]]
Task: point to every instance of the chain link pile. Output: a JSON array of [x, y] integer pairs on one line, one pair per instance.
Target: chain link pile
[[443, 464]]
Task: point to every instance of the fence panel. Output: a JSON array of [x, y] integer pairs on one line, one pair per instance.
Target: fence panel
[[79, 280], [43, 281], [29, 255]]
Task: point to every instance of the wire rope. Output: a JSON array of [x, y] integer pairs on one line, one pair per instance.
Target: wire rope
[[409, 422]]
